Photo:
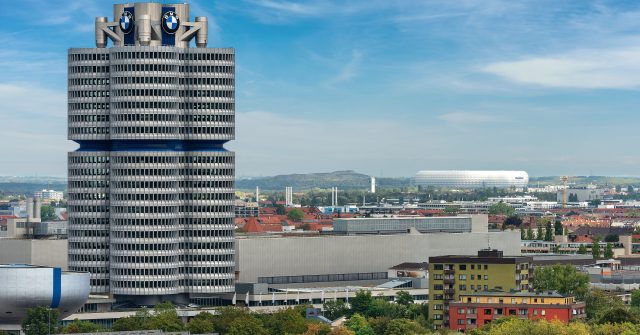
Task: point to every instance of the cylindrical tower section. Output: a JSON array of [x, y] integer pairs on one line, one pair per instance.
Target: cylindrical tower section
[[209, 94], [88, 94], [145, 222], [144, 93], [208, 225], [88, 208]]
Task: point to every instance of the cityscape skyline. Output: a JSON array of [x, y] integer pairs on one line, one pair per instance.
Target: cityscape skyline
[[350, 93]]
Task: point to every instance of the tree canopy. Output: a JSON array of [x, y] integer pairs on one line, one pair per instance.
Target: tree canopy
[[40, 321], [562, 278], [501, 208], [296, 215]]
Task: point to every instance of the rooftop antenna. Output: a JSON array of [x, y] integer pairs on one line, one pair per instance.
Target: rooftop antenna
[[488, 241]]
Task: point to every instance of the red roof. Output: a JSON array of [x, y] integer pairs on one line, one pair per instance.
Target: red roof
[[252, 226]]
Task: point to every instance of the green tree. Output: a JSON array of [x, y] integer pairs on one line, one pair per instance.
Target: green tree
[[379, 324], [296, 215], [317, 328], [285, 321], [608, 251], [228, 315], [523, 234], [403, 327], [530, 234], [280, 210], [202, 323], [501, 208], [359, 325], [47, 213], [361, 302], [548, 232], [40, 321], [635, 298], [381, 307], [539, 232], [615, 328], [248, 325], [598, 302], [404, 298], [512, 220], [77, 326], [165, 318], [562, 278], [582, 249], [334, 309], [557, 227], [513, 326], [595, 248], [618, 314], [129, 323]]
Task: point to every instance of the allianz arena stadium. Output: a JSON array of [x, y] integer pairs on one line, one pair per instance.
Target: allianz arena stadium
[[472, 179]]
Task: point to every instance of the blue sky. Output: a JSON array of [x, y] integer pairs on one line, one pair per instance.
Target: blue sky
[[381, 87]]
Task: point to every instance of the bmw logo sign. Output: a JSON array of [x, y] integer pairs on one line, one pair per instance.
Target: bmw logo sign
[[170, 22], [126, 22]]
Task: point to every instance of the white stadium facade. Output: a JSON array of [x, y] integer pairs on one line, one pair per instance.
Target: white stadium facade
[[472, 179]]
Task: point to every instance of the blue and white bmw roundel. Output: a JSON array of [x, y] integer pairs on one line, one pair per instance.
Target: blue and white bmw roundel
[[126, 22], [170, 22]]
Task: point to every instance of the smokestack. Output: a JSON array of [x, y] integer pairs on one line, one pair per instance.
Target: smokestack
[[36, 210], [30, 209]]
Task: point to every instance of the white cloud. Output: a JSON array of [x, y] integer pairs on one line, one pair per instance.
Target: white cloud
[[612, 68], [349, 70]]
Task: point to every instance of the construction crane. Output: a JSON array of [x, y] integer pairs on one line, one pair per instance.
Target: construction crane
[[565, 180]]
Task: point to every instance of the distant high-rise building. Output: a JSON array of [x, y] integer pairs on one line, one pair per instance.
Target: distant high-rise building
[[49, 195], [151, 188], [373, 185]]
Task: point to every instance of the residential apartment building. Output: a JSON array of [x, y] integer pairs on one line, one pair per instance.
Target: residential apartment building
[[450, 276], [473, 310]]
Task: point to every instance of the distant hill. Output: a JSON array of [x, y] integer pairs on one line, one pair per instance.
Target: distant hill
[[346, 180]]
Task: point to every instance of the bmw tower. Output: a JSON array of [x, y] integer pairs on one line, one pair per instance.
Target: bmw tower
[[151, 185]]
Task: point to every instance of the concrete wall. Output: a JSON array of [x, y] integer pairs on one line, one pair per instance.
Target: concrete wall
[[36, 252], [291, 256]]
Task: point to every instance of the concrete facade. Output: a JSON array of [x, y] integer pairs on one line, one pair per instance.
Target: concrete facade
[[326, 255], [451, 224], [36, 252]]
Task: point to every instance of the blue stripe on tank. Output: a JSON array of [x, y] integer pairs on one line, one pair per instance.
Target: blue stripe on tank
[[57, 287]]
